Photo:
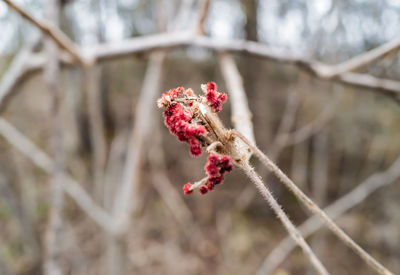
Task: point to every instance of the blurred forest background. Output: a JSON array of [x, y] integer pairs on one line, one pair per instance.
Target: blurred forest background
[[81, 144]]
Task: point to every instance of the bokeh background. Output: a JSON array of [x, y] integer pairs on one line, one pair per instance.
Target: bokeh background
[[328, 137]]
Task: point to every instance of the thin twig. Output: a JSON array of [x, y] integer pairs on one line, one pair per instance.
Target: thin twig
[[294, 233], [53, 32], [334, 210], [70, 185], [16, 70], [314, 208]]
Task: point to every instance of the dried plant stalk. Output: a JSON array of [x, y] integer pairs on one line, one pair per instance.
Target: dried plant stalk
[[334, 210], [294, 233], [314, 208]]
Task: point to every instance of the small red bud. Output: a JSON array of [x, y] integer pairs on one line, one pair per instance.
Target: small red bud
[[203, 190], [186, 188]]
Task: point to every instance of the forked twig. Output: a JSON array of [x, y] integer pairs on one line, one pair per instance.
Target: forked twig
[[313, 207]]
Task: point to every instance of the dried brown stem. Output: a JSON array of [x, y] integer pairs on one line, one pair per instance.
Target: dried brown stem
[[314, 208]]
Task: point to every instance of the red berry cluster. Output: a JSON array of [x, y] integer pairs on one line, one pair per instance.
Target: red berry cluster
[[178, 122], [215, 168], [215, 98]]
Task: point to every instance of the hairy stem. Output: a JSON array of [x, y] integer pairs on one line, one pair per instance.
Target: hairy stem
[[314, 208], [294, 233]]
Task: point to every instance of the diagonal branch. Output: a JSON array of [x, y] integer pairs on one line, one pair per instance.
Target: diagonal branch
[[293, 232], [70, 185], [334, 210], [53, 32], [363, 60], [314, 208], [17, 70]]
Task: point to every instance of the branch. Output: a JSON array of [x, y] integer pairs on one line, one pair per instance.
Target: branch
[[70, 185], [150, 43], [361, 61], [141, 129], [17, 70], [293, 232], [241, 115], [169, 41], [53, 32], [334, 210], [314, 208]]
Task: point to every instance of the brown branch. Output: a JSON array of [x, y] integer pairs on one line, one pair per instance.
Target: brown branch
[[53, 32], [313, 208], [292, 230], [150, 43], [334, 210], [70, 185]]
